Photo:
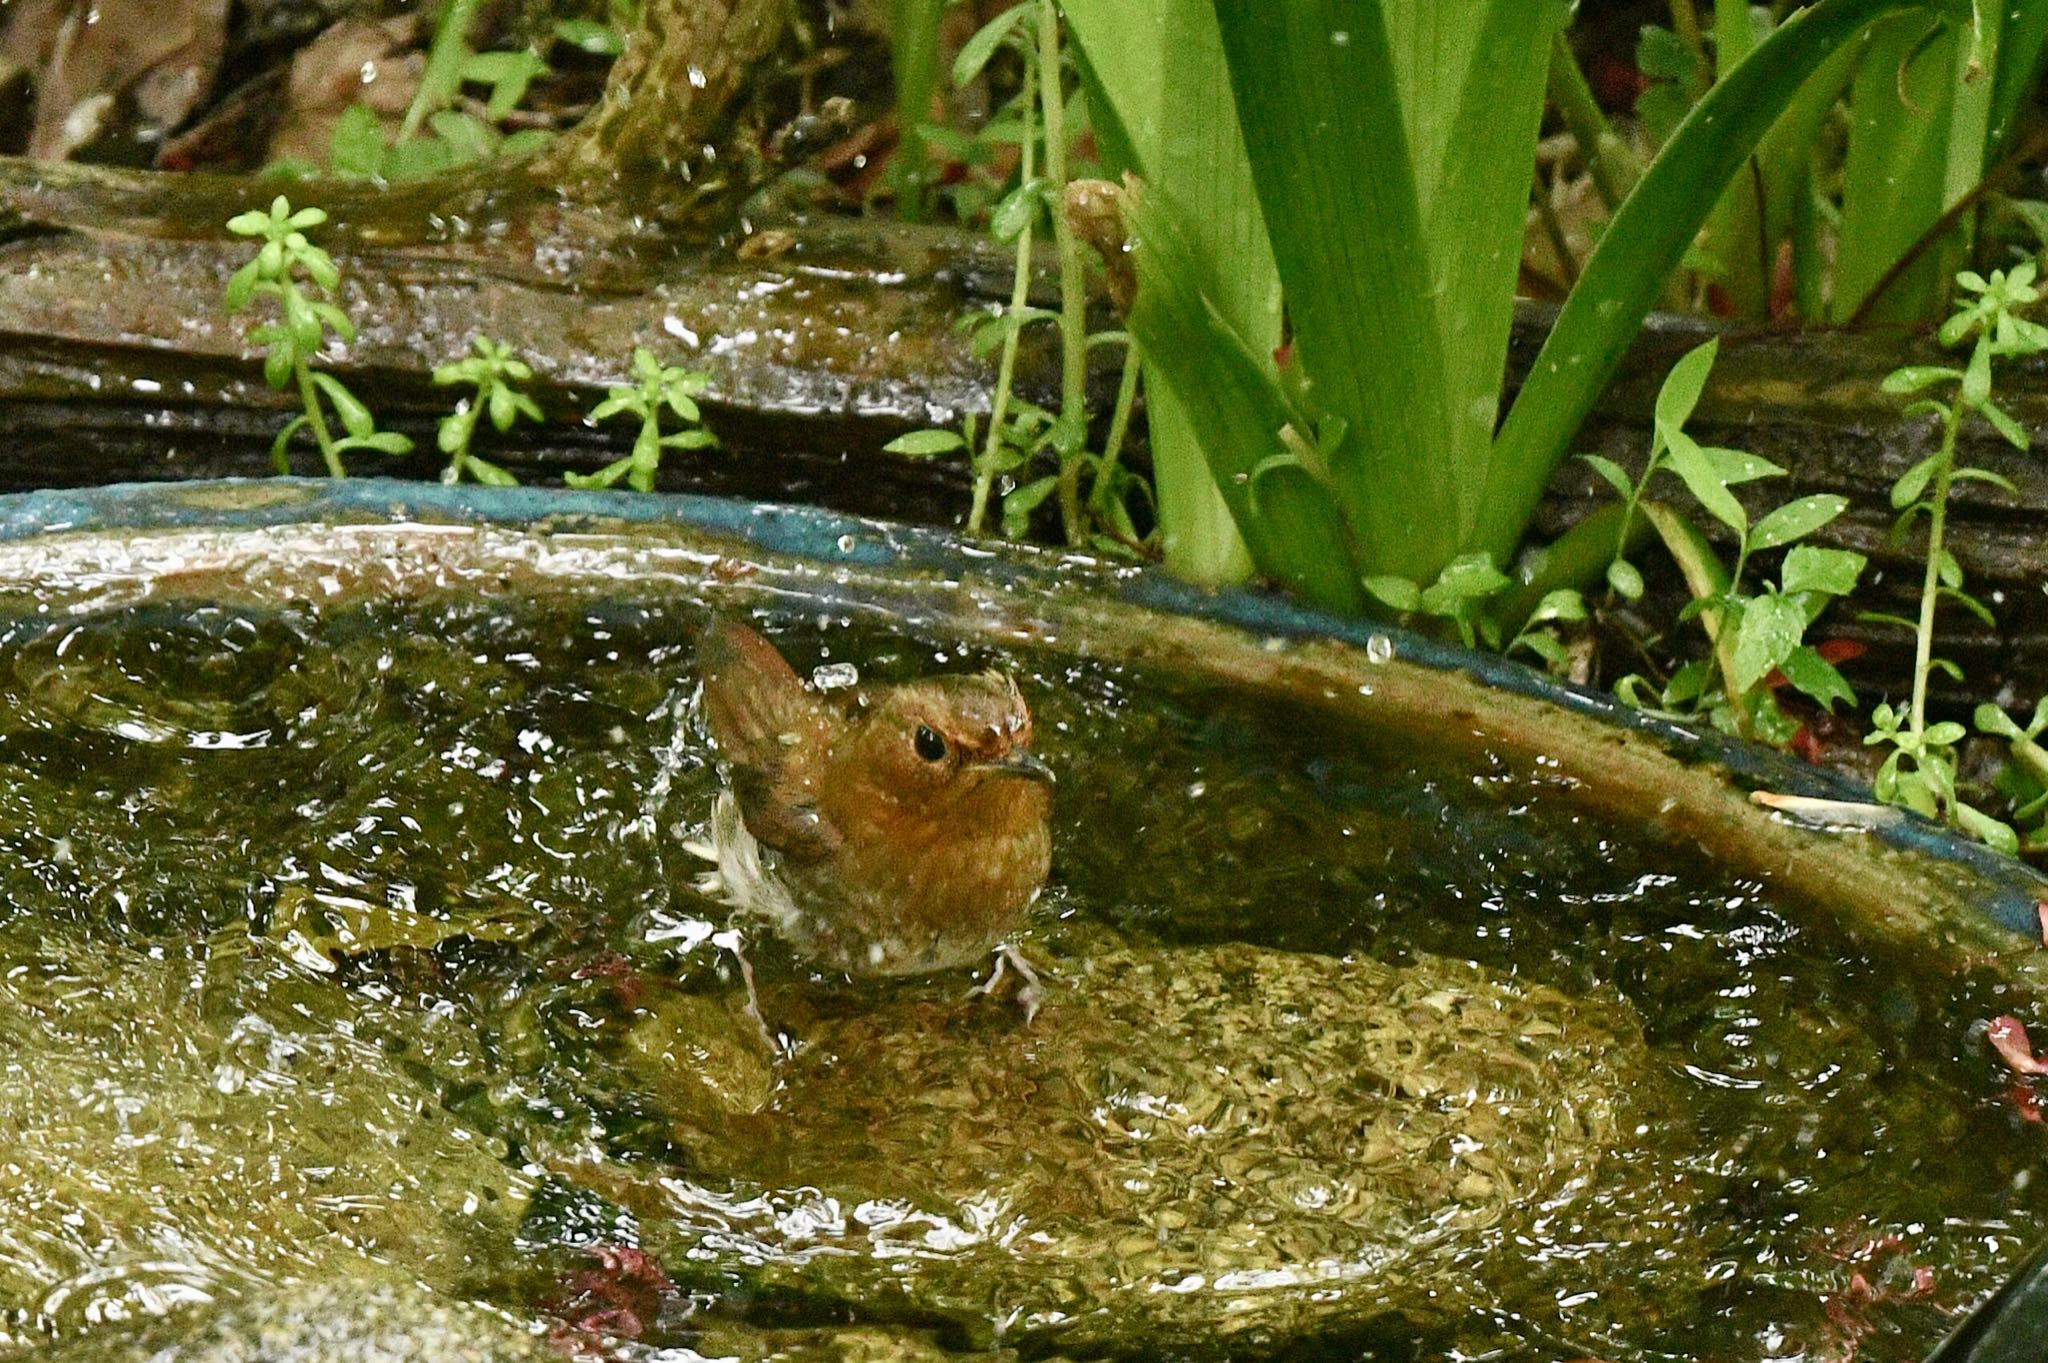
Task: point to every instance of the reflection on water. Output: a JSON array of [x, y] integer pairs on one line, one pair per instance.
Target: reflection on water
[[365, 947]]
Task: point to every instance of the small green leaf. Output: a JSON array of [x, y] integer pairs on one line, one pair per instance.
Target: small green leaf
[[604, 477], [489, 473], [925, 444], [1977, 475], [1987, 830], [1612, 472], [1914, 377], [1687, 684], [1019, 504], [279, 460], [1563, 604], [1681, 390], [1809, 568], [1914, 481], [1770, 628], [2015, 435], [1017, 210], [1546, 646], [1946, 734], [1740, 466], [1977, 377], [1468, 577], [1795, 520], [1704, 482], [1625, 579], [1816, 677], [975, 53], [599, 40], [356, 147], [1396, 593], [355, 417], [241, 287], [1992, 720]]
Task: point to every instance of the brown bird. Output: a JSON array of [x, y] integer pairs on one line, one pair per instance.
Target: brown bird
[[901, 830]]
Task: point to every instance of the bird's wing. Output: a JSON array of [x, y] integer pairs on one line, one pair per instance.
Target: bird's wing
[[774, 732]]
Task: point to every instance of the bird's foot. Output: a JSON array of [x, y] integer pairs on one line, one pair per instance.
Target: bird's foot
[[1030, 991], [730, 940]]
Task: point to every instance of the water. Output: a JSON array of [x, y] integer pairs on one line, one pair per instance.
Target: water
[[366, 941]]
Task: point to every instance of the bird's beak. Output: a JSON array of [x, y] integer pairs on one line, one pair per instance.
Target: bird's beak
[[1018, 762]]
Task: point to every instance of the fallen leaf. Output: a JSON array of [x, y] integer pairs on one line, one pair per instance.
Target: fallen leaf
[[2008, 1036]]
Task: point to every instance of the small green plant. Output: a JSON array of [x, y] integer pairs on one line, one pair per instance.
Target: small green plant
[[434, 136], [1757, 637], [492, 372], [2024, 780], [1919, 772], [292, 343], [661, 388], [1094, 491]]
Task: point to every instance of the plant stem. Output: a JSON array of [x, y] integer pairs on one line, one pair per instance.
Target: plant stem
[[1613, 166], [1119, 424], [1073, 276], [1930, 584], [442, 76], [1020, 295], [317, 420]]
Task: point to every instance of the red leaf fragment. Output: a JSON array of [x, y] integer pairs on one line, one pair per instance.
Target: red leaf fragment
[[2008, 1036]]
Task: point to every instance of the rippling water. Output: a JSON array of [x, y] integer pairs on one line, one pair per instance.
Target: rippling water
[[369, 937]]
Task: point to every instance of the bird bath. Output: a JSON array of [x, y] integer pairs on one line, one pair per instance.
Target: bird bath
[[1398, 1002]]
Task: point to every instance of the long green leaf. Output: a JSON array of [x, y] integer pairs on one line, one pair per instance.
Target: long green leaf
[[1159, 67], [1238, 410], [1319, 107], [1475, 221], [1642, 245], [915, 55], [1901, 102]]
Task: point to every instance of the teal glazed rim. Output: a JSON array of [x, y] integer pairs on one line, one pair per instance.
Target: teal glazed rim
[[2010, 891]]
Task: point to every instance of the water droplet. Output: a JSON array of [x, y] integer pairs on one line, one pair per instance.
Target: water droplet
[[846, 543], [1379, 649], [1340, 38], [835, 676]]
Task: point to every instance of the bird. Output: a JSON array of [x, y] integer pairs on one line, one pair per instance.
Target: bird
[[888, 830]]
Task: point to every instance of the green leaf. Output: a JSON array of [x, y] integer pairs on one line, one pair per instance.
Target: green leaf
[[383, 442], [356, 146], [1017, 210], [1832, 572], [1914, 377], [1977, 376], [1977, 475], [1467, 578], [508, 74], [1235, 407], [1625, 579], [599, 40], [1946, 734], [355, 417], [1682, 387], [1020, 503], [976, 51], [1687, 684], [1614, 475], [1770, 628], [279, 459], [607, 476], [489, 473], [241, 287], [1563, 604], [1704, 482], [1987, 830], [1734, 467], [1643, 243], [1816, 677], [2014, 433], [454, 430], [1396, 593], [1914, 481], [1795, 520], [924, 444]]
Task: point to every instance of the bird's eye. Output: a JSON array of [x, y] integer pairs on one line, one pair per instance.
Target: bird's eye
[[929, 745]]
